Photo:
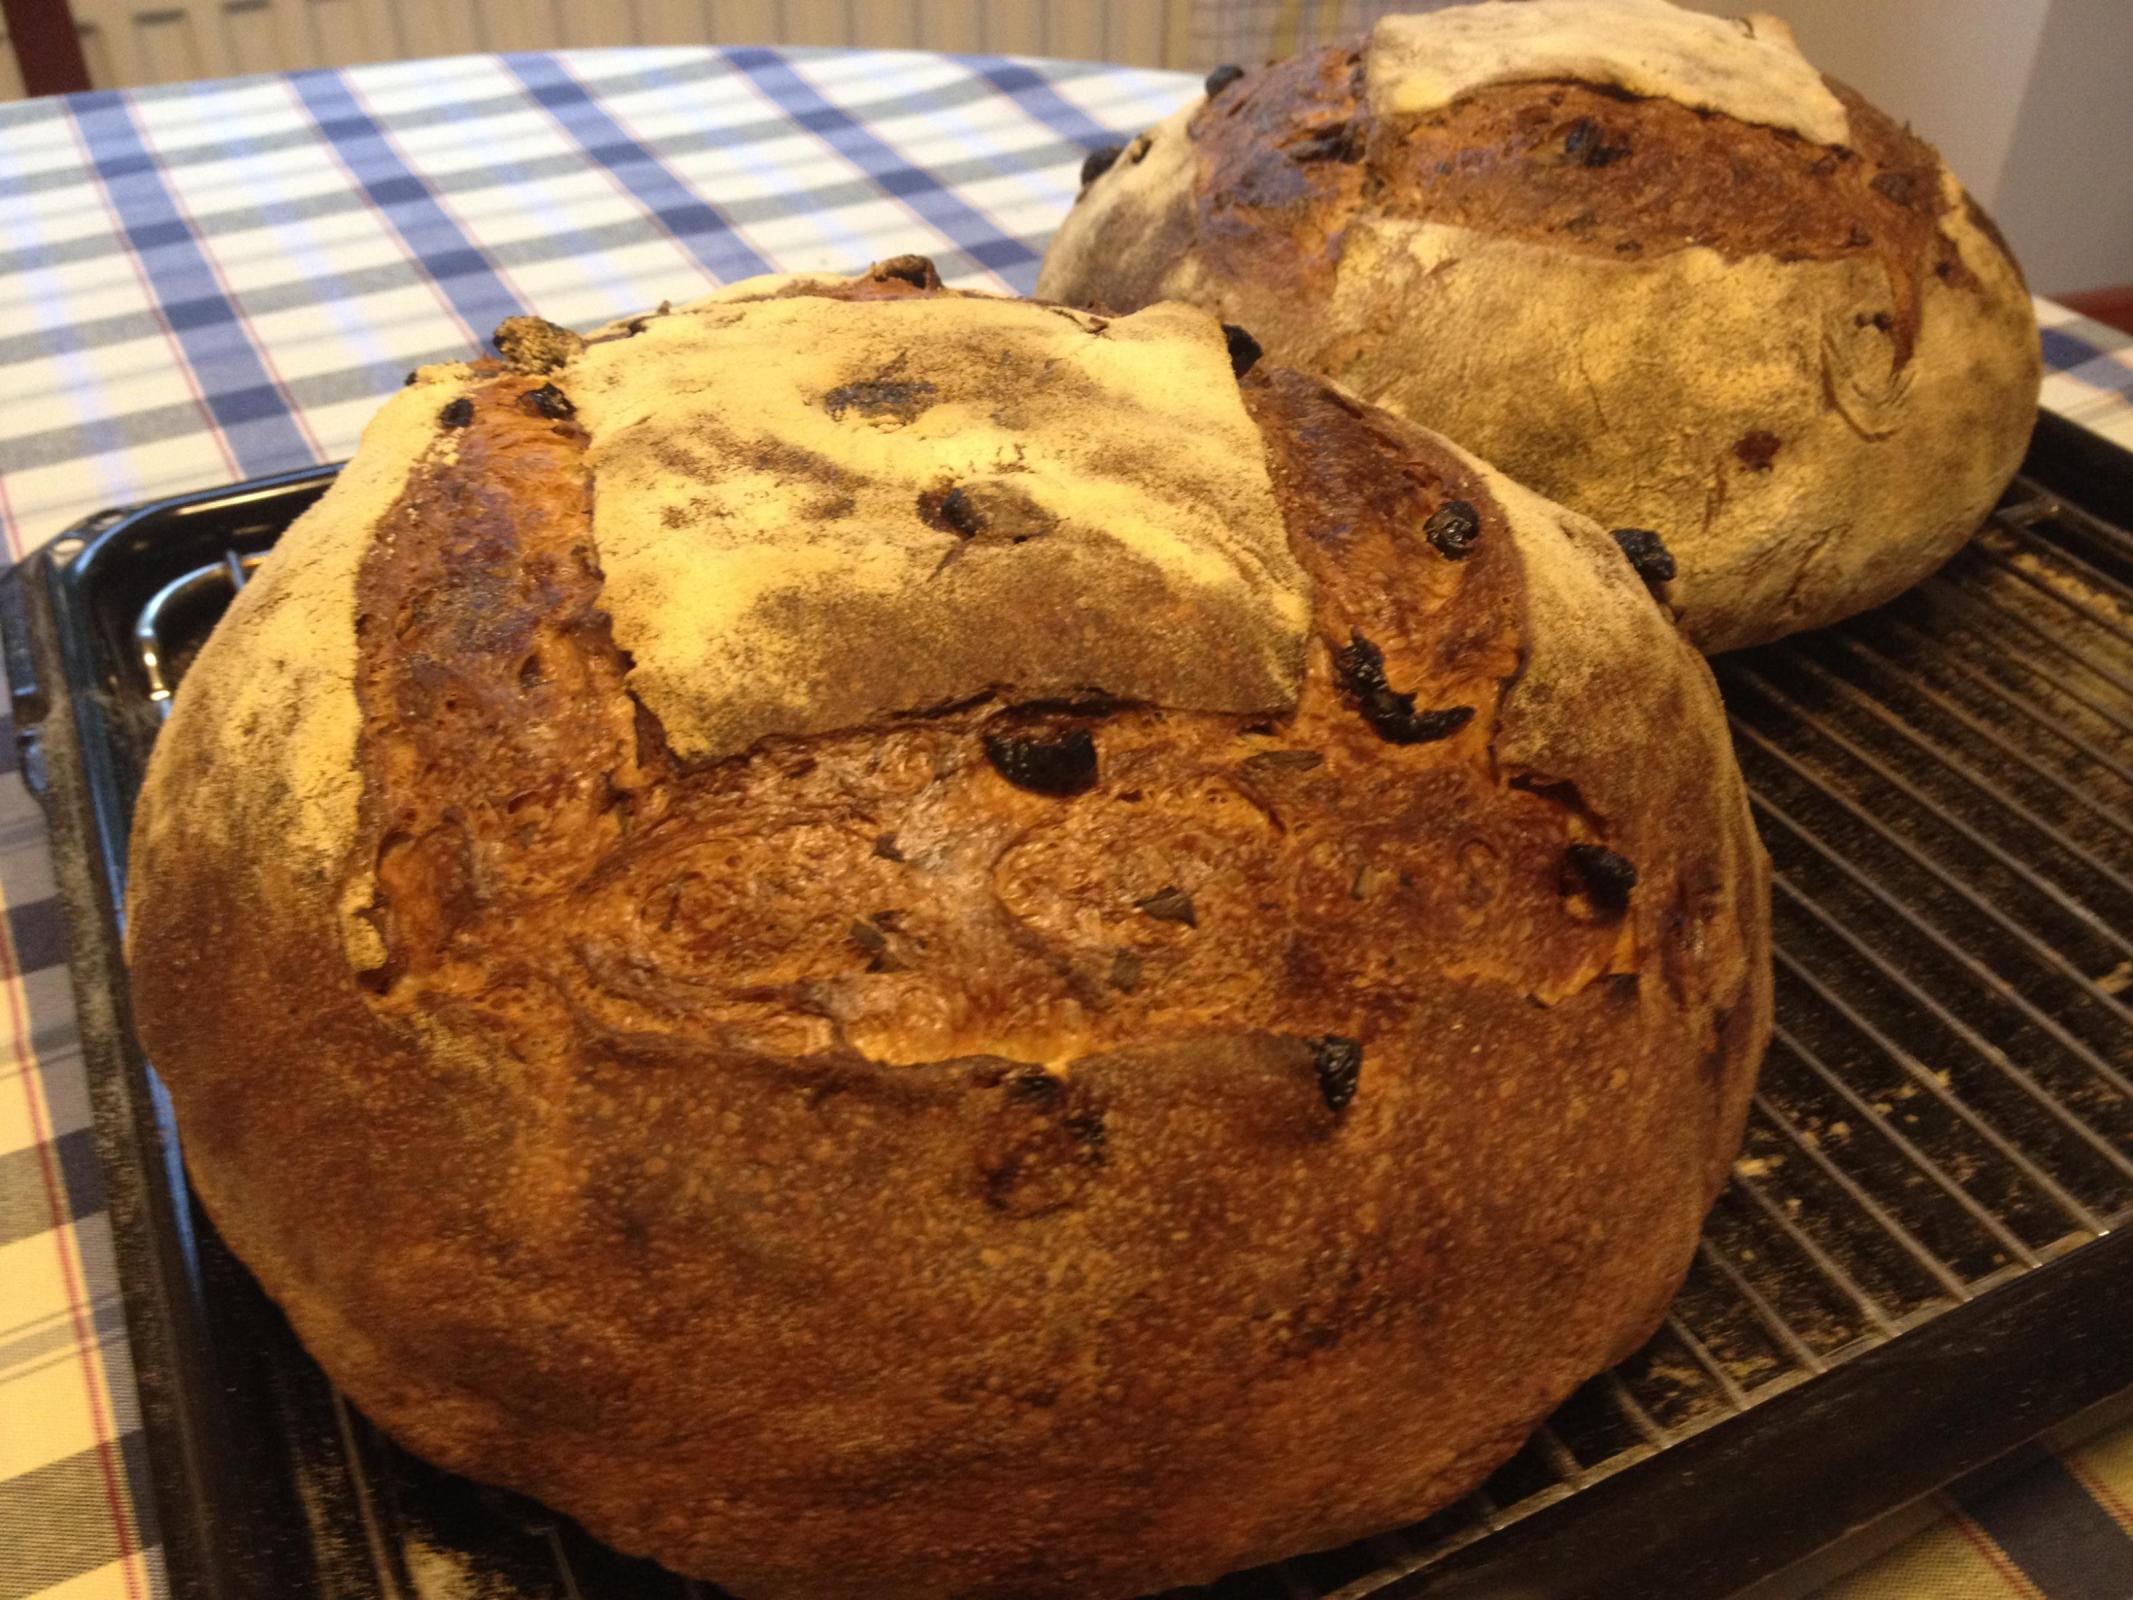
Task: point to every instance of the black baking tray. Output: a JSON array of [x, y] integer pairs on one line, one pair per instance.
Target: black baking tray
[[1921, 1262]]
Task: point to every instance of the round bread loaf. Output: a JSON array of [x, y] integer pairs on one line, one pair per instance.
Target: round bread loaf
[[1646, 261], [899, 945]]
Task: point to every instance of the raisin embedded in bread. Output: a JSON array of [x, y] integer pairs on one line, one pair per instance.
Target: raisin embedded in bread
[[1647, 261], [1024, 967]]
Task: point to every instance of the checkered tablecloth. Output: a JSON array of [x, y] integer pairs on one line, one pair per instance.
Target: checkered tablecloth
[[213, 281]]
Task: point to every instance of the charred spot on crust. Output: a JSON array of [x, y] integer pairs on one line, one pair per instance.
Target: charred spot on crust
[[456, 413], [1221, 78], [1060, 763], [950, 510], [871, 939], [547, 401], [1360, 668], [917, 271], [1454, 528], [992, 513], [409, 381], [1898, 188], [1342, 143], [1758, 449], [1033, 1086], [1603, 875], [1338, 1061], [1100, 161], [877, 936], [533, 345], [1170, 904], [1087, 1127], [1125, 973], [1648, 553], [1586, 142], [1044, 1144], [883, 396], [886, 848], [1244, 351]]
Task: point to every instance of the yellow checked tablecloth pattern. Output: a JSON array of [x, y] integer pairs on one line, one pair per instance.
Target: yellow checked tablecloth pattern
[[207, 282]]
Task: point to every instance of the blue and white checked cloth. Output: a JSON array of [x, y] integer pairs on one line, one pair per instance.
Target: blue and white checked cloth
[[213, 281], [218, 281]]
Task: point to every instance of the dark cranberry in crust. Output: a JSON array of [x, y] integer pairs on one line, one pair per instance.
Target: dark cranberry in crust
[[1647, 553], [1098, 162], [1062, 763]]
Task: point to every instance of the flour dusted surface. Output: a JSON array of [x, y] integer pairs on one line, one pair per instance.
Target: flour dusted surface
[[813, 513]]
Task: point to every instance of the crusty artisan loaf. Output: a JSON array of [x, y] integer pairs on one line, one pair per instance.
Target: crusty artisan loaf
[[894, 944], [1646, 261]]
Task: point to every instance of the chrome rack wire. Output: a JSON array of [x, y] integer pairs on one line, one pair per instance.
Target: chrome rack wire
[[1946, 790], [168, 631]]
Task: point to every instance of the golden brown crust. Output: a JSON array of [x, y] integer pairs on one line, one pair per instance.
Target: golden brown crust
[[1811, 367], [840, 1171]]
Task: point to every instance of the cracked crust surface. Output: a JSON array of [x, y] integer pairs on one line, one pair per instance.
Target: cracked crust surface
[[837, 1169], [1810, 366]]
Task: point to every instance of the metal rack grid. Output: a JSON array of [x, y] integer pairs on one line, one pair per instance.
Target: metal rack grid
[[1946, 790]]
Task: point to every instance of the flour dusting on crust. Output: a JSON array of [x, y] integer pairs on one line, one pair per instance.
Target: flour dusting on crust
[[1747, 68], [811, 513]]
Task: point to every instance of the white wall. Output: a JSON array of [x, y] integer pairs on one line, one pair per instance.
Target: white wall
[[2065, 195]]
